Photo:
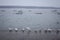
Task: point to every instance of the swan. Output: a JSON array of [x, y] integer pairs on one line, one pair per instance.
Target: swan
[[16, 29], [10, 29]]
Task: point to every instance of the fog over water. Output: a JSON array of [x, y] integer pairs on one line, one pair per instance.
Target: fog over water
[[29, 18]]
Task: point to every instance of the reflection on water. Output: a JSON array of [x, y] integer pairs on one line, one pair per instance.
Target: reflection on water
[[29, 19]]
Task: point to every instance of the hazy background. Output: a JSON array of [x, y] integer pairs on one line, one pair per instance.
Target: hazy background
[[53, 3]]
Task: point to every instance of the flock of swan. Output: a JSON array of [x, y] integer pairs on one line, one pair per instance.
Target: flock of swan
[[29, 30]]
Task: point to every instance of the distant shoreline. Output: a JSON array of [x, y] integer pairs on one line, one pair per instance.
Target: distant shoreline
[[33, 7]]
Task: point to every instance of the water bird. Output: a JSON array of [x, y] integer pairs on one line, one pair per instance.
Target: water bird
[[57, 31], [29, 29], [19, 12], [35, 31], [16, 29], [49, 30], [45, 31], [23, 30], [10, 29]]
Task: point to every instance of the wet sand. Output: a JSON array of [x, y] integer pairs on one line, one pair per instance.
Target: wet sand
[[19, 35]]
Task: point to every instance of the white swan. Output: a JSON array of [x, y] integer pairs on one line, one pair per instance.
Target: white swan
[[16, 29], [23, 30], [28, 28], [49, 29], [10, 29]]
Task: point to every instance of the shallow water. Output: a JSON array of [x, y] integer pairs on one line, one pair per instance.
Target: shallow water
[[6, 35], [47, 19]]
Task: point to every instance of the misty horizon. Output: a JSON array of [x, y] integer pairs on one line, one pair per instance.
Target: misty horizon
[[42, 7]]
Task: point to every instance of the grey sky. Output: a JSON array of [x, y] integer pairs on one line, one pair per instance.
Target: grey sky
[[54, 3]]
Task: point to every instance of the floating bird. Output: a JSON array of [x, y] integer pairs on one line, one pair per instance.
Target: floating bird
[[28, 28], [45, 31], [49, 30], [19, 12], [23, 30], [35, 31], [16, 29], [10, 29], [57, 31]]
